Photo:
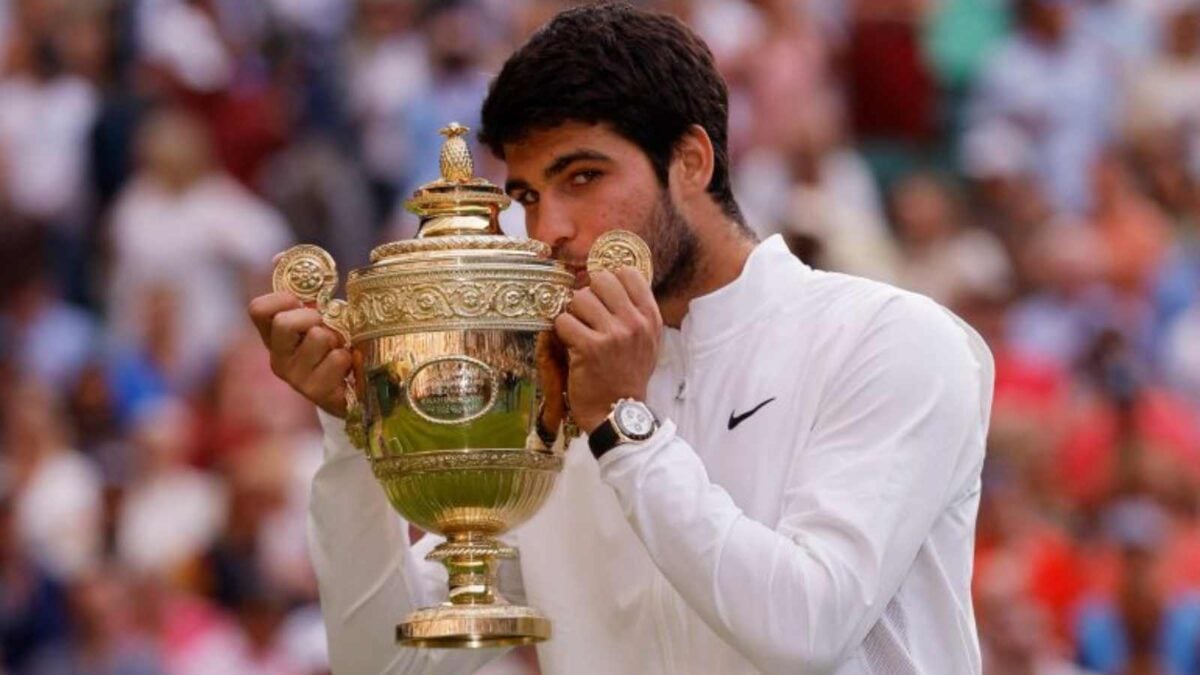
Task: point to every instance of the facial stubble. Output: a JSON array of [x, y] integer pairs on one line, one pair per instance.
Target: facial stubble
[[673, 248]]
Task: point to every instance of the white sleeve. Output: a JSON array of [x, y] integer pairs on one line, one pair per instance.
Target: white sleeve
[[368, 575], [899, 435]]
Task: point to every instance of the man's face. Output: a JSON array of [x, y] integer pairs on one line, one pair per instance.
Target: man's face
[[577, 181]]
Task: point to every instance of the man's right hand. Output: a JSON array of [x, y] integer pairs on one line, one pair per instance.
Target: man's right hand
[[304, 353]]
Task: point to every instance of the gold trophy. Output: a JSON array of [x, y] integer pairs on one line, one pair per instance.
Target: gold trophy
[[445, 391]]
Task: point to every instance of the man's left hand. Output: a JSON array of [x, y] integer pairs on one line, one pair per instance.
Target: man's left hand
[[611, 330]]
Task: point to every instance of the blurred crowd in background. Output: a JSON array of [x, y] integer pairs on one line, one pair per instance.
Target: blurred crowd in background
[[1032, 164]]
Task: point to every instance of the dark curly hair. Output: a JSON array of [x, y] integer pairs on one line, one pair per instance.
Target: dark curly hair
[[645, 74]]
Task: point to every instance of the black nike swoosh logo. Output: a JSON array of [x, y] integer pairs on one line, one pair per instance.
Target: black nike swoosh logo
[[736, 419]]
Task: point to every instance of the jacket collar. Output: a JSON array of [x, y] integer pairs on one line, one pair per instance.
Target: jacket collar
[[770, 275]]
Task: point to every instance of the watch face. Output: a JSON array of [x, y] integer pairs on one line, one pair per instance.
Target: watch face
[[635, 420]]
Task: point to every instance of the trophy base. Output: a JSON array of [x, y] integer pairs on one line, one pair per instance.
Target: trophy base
[[473, 626]]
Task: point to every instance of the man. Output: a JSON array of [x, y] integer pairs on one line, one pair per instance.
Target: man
[[808, 501]]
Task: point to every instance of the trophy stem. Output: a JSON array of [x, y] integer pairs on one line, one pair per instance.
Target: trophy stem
[[477, 615], [471, 561]]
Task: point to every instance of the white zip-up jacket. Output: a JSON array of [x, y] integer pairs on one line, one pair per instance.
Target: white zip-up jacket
[[808, 505]]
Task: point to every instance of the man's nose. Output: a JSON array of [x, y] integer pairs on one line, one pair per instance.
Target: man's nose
[[550, 225]]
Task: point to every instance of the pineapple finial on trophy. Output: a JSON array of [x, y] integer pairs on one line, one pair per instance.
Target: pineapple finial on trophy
[[457, 203], [455, 161]]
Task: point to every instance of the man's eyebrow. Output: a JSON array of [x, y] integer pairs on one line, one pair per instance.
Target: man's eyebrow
[[563, 161], [560, 164]]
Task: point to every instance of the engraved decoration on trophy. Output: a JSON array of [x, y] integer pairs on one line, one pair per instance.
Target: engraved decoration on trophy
[[444, 394]]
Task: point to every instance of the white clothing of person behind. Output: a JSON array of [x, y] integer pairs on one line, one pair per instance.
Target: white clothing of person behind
[[200, 244], [830, 531]]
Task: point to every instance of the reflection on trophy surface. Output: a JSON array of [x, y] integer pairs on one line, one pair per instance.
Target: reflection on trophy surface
[[446, 391]]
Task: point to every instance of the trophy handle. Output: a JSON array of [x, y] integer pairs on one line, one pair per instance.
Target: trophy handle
[[309, 273]]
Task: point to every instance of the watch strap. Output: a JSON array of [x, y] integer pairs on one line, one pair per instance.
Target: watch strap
[[547, 436], [603, 438]]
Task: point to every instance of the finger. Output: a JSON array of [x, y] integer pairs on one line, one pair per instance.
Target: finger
[[317, 343], [555, 347], [639, 292], [550, 349], [326, 385], [287, 328], [264, 308], [611, 291], [573, 332], [586, 307], [333, 369]]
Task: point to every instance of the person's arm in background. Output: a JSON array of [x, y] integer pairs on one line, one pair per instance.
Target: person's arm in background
[[369, 575]]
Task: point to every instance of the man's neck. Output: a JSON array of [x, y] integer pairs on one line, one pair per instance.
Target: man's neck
[[720, 257]]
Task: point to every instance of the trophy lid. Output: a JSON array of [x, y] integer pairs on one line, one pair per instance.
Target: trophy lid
[[459, 211]]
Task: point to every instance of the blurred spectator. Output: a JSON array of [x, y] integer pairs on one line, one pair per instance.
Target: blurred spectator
[[1122, 431], [1138, 631], [1023, 556], [1019, 635], [235, 559], [811, 148], [171, 512], [182, 39], [1165, 94], [944, 257], [1176, 294], [51, 340], [142, 375], [958, 36], [893, 98], [198, 638], [1068, 306], [57, 491], [245, 406], [997, 151], [388, 68], [33, 605], [46, 113], [1133, 232], [105, 636], [1127, 29], [1058, 86], [811, 184], [188, 230], [782, 67], [93, 415], [1181, 350], [324, 197], [47, 108], [456, 45]]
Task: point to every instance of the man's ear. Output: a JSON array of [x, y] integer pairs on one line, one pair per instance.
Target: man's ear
[[692, 162]]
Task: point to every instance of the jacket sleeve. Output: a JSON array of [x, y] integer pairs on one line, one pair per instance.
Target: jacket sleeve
[[899, 435], [368, 574]]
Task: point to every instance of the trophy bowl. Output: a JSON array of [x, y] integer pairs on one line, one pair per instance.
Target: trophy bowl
[[445, 392]]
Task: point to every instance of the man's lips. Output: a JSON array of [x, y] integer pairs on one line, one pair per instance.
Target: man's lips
[[580, 272]]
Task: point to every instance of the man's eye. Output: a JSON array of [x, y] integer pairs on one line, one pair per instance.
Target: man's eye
[[584, 177], [526, 197]]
